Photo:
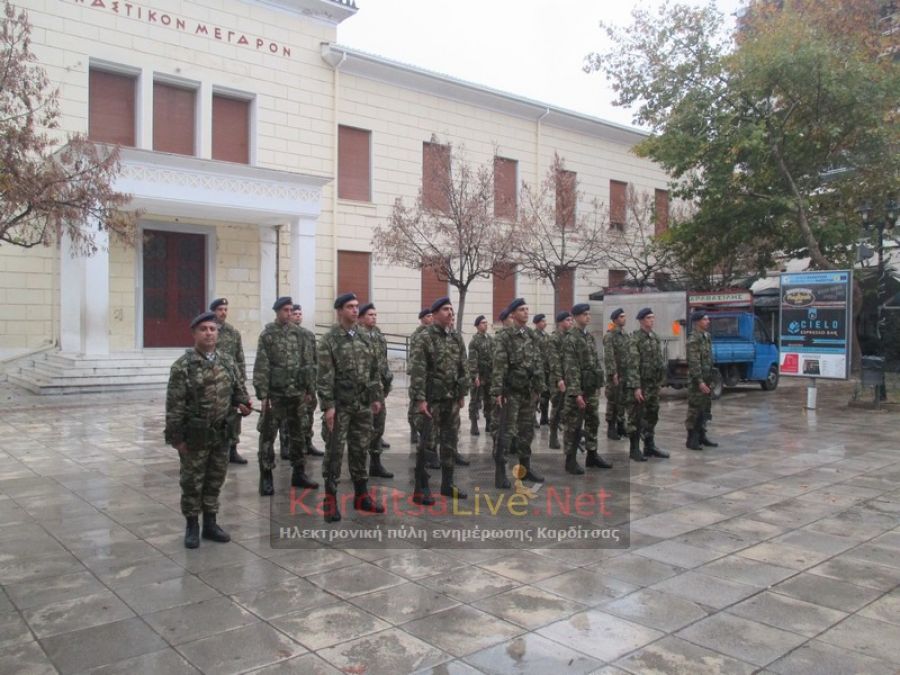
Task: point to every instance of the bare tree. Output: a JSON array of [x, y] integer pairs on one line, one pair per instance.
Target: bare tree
[[48, 188], [636, 248], [554, 241], [457, 226]]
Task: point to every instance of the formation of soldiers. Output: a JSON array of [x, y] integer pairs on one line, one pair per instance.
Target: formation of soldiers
[[520, 378]]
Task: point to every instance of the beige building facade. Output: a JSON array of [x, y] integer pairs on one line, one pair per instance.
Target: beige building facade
[[236, 119]]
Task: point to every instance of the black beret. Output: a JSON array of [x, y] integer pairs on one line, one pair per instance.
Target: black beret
[[478, 319], [562, 316], [342, 300], [514, 305], [366, 307], [538, 318], [425, 311], [698, 314], [440, 302], [616, 313], [218, 302], [281, 302], [296, 308], [200, 318], [504, 314], [580, 308], [644, 313]]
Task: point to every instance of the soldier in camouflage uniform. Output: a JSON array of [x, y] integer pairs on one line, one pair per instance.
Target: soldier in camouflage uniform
[[540, 331], [645, 375], [283, 376], [425, 320], [229, 342], [204, 389], [350, 393], [584, 377], [615, 359], [439, 382], [556, 379], [368, 321], [517, 382], [481, 361], [310, 338], [703, 375]]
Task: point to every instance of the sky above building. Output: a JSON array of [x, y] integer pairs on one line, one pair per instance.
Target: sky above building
[[531, 48]]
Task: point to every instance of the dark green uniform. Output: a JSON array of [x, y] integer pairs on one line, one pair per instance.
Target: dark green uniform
[[481, 364], [309, 339], [411, 415], [544, 402], [557, 398], [379, 344], [700, 369], [202, 394], [646, 370], [584, 377], [229, 342], [615, 360]]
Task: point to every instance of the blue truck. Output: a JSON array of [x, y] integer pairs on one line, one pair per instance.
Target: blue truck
[[743, 350]]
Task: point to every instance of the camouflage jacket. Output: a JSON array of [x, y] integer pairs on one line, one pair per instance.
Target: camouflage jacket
[[348, 371], [285, 362], [200, 388], [437, 366], [544, 344], [379, 344], [615, 352], [410, 344], [229, 342], [646, 366], [583, 372], [555, 359], [518, 363], [481, 357], [700, 358]]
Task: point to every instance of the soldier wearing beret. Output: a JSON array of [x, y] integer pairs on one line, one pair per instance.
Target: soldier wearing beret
[[556, 378], [229, 342], [284, 379], [703, 376], [615, 361], [309, 418], [481, 363], [350, 391], [645, 375], [540, 330], [425, 320], [368, 321], [584, 377], [204, 389]]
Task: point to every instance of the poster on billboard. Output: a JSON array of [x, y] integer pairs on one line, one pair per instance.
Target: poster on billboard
[[816, 324]]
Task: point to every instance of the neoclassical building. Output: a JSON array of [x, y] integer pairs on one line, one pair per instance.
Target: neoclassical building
[[261, 155]]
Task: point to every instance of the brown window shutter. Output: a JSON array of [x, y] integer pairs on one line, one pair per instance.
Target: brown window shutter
[[353, 274], [617, 199], [504, 287], [565, 290], [662, 211], [435, 176], [505, 187], [173, 119], [230, 129], [565, 198], [432, 286], [617, 278], [111, 106], [354, 164]]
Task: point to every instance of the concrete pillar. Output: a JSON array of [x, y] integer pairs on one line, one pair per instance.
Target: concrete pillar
[[303, 267], [267, 255], [71, 297], [84, 298]]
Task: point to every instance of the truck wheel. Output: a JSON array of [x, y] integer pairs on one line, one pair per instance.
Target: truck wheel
[[771, 381], [717, 389]]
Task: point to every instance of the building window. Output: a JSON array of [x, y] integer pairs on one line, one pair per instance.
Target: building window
[[174, 112], [354, 165], [433, 287], [436, 176], [230, 129], [504, 287], [353, 274], [505, 172], [565, 290], [111, 108], [662, 211], [565, 198], [617, 204]]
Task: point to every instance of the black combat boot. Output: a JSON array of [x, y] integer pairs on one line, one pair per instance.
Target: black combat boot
[[501, 482], [545, 407], [704, 439], [612, 431], [313, 451], [234, 456], [330, 504], [530, 475], [363, 501], [572, 465], [693, 439], [448, 489], [266, 484], [384, 444], [459, 460], [376, 469], [422, 492], [192, 532], [595, 461], [554, 437], [212, 531], [620, 429], [473, 430], [634, 451], [301, 480], [651, 449]]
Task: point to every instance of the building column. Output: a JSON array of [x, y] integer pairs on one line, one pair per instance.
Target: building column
[[84, 298], [268, 252], [303, 267], [71, 296]]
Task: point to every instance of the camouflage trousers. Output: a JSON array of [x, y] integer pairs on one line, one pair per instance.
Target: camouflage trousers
[[519, 422], [481, 398], [642, 417], [415, 421], [699, 407], [288, 411], [445, 429], [377, 431], [235, 431], [353, 428], [557, 403], [307, 425], [203, 472], [580, 423], [616, 402]]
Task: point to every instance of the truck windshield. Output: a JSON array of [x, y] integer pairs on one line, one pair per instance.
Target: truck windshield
[[724, 326]]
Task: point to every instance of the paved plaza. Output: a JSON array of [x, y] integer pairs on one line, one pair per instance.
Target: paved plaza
[[778, 552]]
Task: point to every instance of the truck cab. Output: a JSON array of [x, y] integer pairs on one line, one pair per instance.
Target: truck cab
[[743, 350]]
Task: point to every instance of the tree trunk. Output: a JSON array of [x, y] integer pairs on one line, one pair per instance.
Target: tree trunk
[[460, 313]]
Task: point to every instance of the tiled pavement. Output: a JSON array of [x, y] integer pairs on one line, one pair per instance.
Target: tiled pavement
[[778, 552]]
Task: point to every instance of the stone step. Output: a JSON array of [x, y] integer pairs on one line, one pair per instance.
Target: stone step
[[38, 387], [51, 370]]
